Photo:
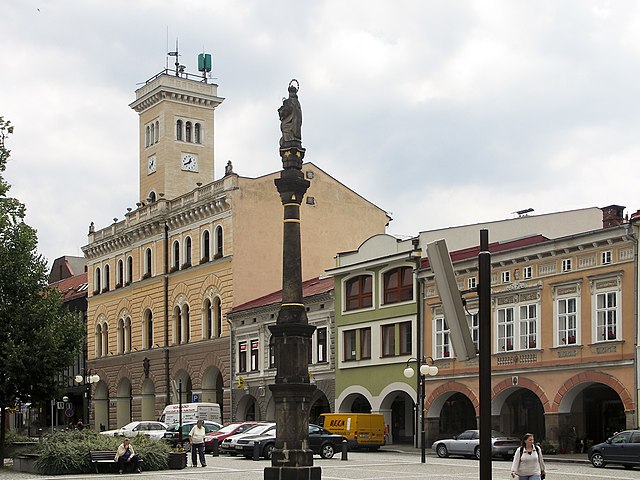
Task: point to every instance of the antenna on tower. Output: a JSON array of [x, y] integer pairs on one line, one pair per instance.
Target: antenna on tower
[[179, 68], [204, 64]]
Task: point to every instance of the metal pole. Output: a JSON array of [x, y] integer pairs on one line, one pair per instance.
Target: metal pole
[[180, 412], [419, 421], [484, 301], [422, 432]]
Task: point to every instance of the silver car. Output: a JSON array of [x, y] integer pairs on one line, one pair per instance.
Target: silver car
[[229, 444], [467, 444]]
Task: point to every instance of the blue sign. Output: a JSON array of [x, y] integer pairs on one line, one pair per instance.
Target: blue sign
[[195, 398]]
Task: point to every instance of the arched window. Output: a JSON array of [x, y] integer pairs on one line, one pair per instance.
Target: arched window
[[187, 251], [197, 134], [105, 339], [207, 314], [127, 334], [120, 274], [147, 263], [179, 130], [157, 135], [219, 242], [146, 136], [187, 131], [398, 285], [121, 336], [97, 280], [186, 323], [129, 270], [107, 282], [147, 329], [358, 292], [98, 341], [206, 246], [152, 134], [152, 196], [176, 255], [177, 326], [217, 311]]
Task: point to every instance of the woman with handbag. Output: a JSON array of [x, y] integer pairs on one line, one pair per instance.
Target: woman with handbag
[[528, 463]]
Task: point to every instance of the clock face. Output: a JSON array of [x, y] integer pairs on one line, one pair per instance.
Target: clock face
[[151, 164], [189, 162]]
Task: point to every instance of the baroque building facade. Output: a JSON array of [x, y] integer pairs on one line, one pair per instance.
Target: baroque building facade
[[563, 330], [162, 280], [562, 327], [253, 357]]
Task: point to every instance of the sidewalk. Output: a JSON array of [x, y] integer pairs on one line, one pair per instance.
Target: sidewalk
[[564, 458]]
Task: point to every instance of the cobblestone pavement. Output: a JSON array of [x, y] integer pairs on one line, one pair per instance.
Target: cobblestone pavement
[[390, 463]]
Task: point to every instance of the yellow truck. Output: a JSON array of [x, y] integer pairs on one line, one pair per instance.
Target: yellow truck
[[362, 430]]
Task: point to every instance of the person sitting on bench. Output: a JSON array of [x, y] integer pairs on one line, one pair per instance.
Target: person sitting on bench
[[126, 455]]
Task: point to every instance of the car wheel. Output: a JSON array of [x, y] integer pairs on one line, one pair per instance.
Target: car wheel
[[266, 453], [327, 451], [476, 453], [597, 460], [442, 451]]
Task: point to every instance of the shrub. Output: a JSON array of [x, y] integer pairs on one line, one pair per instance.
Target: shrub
[[68, 452], [548, 448]]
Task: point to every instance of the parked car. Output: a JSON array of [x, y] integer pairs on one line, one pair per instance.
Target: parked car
[[228, 445], [467, 444], [172, 435], [225, 432], [623, 448], [322, 442], [149, 428]]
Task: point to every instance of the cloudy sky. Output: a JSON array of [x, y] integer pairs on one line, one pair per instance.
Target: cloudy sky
[[440, 112]]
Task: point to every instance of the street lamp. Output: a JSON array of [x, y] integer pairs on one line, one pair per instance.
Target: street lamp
[[87, 380], [425, 369]]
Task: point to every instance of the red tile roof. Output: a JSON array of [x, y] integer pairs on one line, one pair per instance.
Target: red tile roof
[[72, 287], [314, 286], [471, 252]]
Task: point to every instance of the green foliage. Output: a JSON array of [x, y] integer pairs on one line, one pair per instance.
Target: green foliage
[[64, 453], [548, 448], [38, 338]]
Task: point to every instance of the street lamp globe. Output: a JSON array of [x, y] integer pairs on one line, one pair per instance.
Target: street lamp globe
[[430, 370], [408, 372], [78, 378]]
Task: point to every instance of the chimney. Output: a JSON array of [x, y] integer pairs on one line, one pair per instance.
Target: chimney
[[612, 216]]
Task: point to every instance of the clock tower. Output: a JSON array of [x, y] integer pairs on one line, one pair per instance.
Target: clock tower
[[176, 134]]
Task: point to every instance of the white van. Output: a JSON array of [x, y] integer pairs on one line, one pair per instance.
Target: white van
[[191, 412]]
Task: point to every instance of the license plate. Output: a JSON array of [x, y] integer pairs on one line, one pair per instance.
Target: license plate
[[511, 452], [239, 447]]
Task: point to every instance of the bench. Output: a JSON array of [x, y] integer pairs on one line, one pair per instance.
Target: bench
[[98, 457]]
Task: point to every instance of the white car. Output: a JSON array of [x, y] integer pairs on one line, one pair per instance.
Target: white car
[[149, 428]]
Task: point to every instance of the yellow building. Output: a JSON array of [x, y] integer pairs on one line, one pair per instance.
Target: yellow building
[[162, 280]]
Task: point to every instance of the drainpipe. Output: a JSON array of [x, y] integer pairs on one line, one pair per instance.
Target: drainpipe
[[167, 374], [632, 234], [231, 370]]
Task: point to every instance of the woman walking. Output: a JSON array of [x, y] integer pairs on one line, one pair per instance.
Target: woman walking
[[528, 463]]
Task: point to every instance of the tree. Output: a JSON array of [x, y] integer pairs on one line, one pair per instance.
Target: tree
[[38, 337]]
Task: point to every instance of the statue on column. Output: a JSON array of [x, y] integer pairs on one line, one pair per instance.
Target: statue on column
[[291, 118]]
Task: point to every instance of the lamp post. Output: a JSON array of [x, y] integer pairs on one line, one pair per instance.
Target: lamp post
[[87, 380], [425, 369]]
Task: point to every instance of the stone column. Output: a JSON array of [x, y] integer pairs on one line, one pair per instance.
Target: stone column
[[292, 459]]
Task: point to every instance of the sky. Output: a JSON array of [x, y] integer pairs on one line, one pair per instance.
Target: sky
[[441, 113]]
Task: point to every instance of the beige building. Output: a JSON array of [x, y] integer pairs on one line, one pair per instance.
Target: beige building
[[563, 330], [162, 280]]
